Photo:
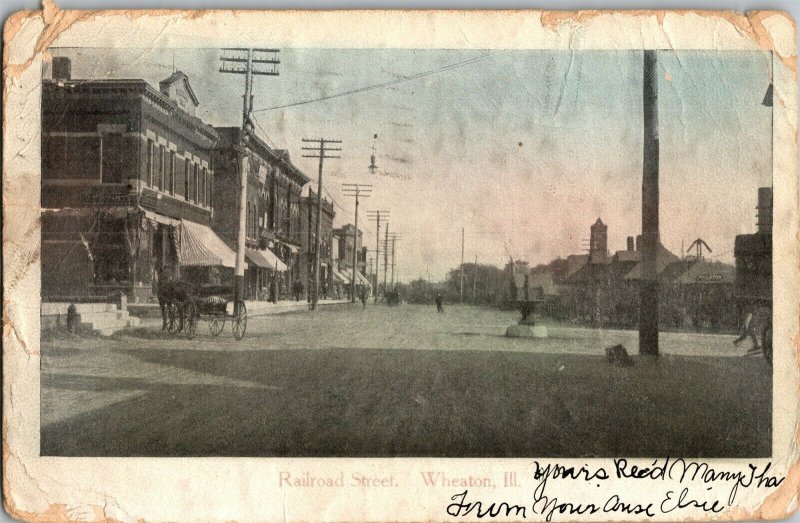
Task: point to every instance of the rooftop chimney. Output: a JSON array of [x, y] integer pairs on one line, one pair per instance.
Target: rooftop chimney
[[62, 69], [638, 242], [764, 210], [631, 246]]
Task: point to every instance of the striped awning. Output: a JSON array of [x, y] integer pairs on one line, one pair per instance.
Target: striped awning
[[200, 246], [339, 277], [266, 259], [362, 280]]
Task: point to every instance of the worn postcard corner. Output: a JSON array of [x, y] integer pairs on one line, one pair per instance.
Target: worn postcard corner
[[441, 266]]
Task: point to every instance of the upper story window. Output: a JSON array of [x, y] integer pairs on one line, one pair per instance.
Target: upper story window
[[187, 179], [171, 177], [150, 161]]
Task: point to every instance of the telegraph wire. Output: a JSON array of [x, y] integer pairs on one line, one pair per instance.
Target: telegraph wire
[[415, 76]]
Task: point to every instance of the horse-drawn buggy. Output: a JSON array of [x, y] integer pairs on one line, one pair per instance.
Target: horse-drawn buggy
[[184, 305]]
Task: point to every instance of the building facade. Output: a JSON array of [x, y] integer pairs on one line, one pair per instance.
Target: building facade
[[308, 226], [127, 188], [273, 231]]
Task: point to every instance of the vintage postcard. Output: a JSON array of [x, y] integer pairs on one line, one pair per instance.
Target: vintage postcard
[[400, 266]]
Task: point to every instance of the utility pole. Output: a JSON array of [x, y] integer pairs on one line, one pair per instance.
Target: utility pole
[[245, 61], [385, 258], [648, 285], [363, 191], [375, 216], [461, 294], [394, 238], [321, 153], [474, 278]]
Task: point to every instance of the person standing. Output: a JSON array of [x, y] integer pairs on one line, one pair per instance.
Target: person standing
[[439, 302]]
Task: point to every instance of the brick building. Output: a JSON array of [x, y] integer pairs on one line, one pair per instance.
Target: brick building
[[308, 226], [273, 227], [127, 188], [347, 239]]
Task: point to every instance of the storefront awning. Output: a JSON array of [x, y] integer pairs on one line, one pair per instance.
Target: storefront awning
[[265, 259], [160, 218], [339, 277], [362, 280], [200, 246]]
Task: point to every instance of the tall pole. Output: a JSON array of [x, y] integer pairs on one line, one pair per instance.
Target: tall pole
[[318, 226], [461, 298], [648, 285], [393, 240], [238, 294], [474, 278], [377, 258], [385, 258], [321, 154], [231, 63], [358, 191], [376, 216], [355, 254]]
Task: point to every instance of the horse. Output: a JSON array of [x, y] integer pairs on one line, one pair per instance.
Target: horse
[[178, 293]]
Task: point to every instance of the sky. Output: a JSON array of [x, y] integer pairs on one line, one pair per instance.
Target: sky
[[524, 150]]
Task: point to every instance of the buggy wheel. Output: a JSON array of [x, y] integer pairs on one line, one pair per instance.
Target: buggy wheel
[[215, 325], [172, 317], [191, 319], [239, 321]]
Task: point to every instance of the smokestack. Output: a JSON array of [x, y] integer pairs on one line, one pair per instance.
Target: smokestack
[[631, 246], [62, 69], [638, 242], [764, 222]]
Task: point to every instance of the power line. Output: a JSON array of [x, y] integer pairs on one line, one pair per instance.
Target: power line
[[384, 84]]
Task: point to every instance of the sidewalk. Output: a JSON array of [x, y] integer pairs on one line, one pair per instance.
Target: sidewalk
[[150, 315], [266, 308]]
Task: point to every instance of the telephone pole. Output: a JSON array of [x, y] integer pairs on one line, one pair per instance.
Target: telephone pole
[[247, 62], [648, 285], [394, 238], [461, 299], [474, 278], [357, 190], [319, 152], [385, 258], [375, 216]]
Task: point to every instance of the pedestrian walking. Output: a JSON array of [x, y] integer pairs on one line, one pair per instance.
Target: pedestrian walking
[[297, 288], [363, 298], [439, 302], [748, 328]]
